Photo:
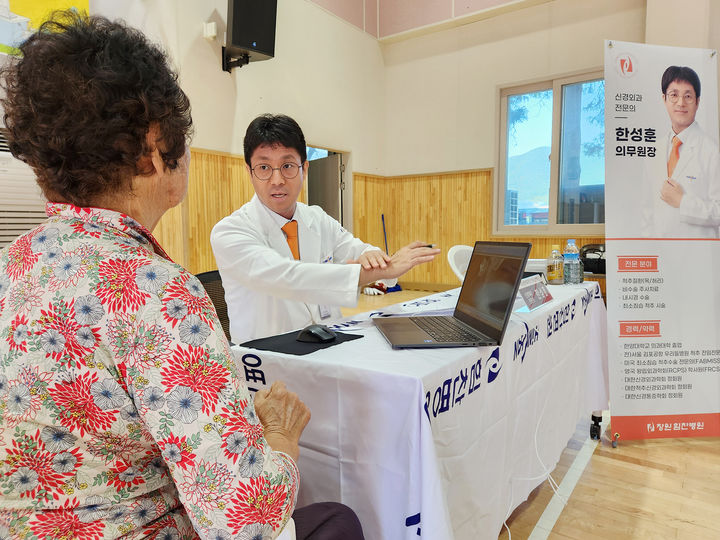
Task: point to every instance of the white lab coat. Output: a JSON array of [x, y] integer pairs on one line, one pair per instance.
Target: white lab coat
[[698, 172], [267, 291]]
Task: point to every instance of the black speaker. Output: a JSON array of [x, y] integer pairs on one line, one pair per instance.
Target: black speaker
[[250, 31]]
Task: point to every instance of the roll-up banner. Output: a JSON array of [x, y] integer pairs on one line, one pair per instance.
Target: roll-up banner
[[662, 213]]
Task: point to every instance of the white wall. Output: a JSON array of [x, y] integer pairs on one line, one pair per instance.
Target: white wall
[[156, 18], [426, 104], [443, 88], [668, 25], [326, 73]]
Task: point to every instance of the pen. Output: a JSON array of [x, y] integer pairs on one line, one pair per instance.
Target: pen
[[429, 245]]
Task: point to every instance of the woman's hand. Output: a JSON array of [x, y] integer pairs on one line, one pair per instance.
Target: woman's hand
[[283, 416]]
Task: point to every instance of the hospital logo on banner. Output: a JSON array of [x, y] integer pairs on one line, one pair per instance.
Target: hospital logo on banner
[[625, 65]]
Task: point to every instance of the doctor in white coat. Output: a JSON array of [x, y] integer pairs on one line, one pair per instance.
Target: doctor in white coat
[[267, 290], [683, 185]]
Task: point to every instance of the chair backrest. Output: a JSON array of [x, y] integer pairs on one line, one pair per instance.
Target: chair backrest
[[535, 266], [288, 532], [459, 258], [213, 285]]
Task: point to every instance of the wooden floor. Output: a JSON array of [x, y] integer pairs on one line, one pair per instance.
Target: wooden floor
[[655, 489]]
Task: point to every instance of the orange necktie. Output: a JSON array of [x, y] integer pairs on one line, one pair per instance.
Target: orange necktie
[[674, 155], [291, 231]]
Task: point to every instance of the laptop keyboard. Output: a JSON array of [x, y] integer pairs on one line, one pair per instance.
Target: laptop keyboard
[[444, 329]]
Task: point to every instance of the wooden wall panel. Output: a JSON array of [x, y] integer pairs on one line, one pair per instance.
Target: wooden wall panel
[[445, 209], [432, 208], [219, 184], [169, 232]]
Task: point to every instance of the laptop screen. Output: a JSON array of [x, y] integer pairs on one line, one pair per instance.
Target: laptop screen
[[490, 286]]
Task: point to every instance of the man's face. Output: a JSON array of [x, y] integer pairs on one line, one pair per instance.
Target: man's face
[[278, 193], [682, 112]]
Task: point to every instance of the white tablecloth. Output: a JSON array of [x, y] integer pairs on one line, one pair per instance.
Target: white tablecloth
[[443, 442]]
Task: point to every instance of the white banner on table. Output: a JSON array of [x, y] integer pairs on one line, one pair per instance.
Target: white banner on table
[[442, 443], [662, 216]]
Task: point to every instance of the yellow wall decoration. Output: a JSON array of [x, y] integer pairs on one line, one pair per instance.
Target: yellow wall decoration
[[39, 10], [26, 16]]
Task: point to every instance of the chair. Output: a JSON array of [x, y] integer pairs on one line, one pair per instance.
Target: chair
[[213, 285], [535, 266], [288, 532], [459, 258]]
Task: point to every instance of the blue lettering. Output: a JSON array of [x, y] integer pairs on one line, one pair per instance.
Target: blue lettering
[[475, 373], [560, 318], [586, 299], [525, 341], [247, 357], [344, 324], [520, 348], [459, 393], [452, 391], [533, 336], [251, 363], [441, 399], [413, 520]]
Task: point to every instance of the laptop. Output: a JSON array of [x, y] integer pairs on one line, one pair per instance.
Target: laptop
[[483, 308]]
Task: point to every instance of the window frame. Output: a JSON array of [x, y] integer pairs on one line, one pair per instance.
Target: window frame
[[552, 228]]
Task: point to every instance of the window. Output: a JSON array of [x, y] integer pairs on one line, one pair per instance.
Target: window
[[316, 153], [552, 158]]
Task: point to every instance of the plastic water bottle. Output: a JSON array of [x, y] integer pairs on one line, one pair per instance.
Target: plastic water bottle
[[572, 265], [555, 264]]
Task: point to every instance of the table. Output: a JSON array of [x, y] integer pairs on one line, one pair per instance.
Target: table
[[443, 443]]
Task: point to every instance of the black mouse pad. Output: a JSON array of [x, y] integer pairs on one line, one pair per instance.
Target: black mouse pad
[[286, 343]]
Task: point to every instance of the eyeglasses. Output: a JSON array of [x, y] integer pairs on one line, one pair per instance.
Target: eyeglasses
[[263, 171], [674, 97]]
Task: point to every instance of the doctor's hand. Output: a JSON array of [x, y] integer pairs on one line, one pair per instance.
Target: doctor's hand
[[672, 193], [402, 260], [283, 417], [374, 258]]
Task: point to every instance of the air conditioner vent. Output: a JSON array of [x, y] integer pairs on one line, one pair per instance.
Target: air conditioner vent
[[4, 146], [22, 205]]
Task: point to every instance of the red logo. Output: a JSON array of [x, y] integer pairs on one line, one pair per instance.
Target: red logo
[[626, 65]]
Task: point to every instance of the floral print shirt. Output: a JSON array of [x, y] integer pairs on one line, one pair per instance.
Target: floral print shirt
[[121, 409]]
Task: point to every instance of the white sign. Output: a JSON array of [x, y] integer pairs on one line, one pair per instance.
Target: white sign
[[534, 291], [662, 190]]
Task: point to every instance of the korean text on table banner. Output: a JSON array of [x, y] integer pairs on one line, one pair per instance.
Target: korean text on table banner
[[662, 213]]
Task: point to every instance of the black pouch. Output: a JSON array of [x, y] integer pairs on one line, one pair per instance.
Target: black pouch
[[593, 258]]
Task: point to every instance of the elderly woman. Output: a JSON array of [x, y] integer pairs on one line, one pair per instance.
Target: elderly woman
[[121, 411]]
